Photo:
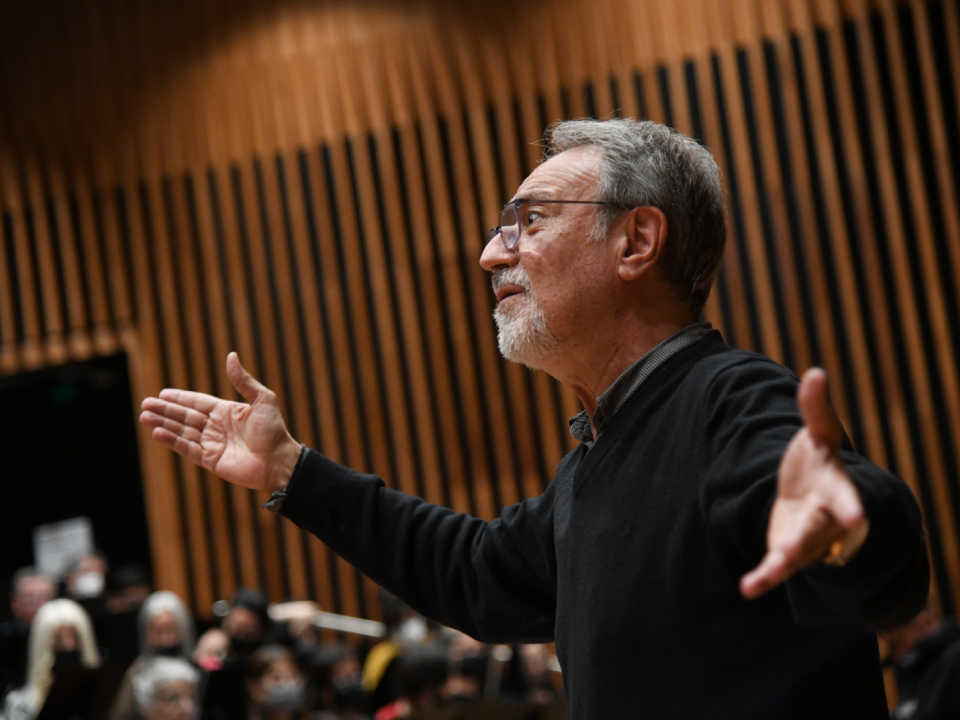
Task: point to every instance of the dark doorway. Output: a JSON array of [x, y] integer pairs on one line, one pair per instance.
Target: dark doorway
[[69, 448]]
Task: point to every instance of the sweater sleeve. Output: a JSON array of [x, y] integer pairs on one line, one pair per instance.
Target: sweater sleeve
[[493, 580], [751, 415]]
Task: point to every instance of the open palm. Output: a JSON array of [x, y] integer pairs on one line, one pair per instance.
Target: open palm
[[817, 502], [244, 443]]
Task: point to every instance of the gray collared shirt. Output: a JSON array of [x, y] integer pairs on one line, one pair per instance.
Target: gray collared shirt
[[613, 398]]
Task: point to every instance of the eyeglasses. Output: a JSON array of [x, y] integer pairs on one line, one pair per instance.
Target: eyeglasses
[[510, 226]]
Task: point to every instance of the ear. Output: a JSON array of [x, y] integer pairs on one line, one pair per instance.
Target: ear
[[644, 236]]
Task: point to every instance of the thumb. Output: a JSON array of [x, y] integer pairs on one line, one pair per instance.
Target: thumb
[[243, 381], [815, 408]]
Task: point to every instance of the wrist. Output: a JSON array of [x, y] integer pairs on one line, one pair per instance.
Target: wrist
[[286, 461]]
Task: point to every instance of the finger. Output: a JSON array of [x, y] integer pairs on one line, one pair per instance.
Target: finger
[[771, 571], [188, 398], [152, 420], [190, 450], [243, 381], [174, 411], [844, 504], [818, 416]]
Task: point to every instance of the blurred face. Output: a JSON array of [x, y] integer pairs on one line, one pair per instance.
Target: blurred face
[[173, 700], [88, 579], [65, 639], [163, 631], [212, 648], [30, 595], [243, 624], [280, 688]]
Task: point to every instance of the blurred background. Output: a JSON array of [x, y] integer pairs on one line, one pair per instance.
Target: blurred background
[[309, 183]]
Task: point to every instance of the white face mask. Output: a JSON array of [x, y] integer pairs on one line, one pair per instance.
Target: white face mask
[[89, 584], [412, 631]]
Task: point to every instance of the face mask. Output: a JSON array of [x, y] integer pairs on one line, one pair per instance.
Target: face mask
[[285, 698], [66, 659], [348, 692], [412, 631], [89, 584], [209, 663], [173, 651]]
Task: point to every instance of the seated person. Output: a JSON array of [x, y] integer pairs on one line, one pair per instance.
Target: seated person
[[335, 683], [29, 589], [165, 689], [276, 686], [165, 628], [61, 636]]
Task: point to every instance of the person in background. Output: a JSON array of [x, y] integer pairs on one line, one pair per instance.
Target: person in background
[[422, 671], [61, 637], [212, 650], [405, 628], [165, 628], [86, 578], [275, 685], [29, 589], [129, 587], [247, 624], [335, 683], [469, 660], [165, 689], [535, 673], [926, 657]]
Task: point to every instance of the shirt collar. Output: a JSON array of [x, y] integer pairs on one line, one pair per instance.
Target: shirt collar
[[630, 380]]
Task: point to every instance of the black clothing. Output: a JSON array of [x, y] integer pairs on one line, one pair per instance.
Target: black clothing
[[928, 677], [632, 556]]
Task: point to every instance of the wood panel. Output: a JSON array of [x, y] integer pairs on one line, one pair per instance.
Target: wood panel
[[310, 185]]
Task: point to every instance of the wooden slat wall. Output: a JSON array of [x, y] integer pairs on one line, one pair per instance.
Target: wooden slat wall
[[310, 183]]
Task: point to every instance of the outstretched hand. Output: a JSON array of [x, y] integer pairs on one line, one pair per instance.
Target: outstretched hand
[[817, 504], [244, 443]]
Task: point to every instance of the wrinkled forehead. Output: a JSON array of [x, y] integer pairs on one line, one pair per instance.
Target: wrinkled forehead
[[571, 175]]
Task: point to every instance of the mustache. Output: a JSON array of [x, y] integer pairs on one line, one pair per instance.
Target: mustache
[[510, 276]]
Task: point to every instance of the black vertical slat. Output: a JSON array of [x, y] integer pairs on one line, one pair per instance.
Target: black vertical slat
[[763, 205], [10, 248], [735, 208], [450, 287], [890, 310], [855, 428], [243, 233], [213, 188]]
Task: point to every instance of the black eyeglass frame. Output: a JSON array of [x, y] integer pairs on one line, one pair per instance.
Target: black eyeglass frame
[[509, 245]]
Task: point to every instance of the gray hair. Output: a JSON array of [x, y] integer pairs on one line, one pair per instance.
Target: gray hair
[[157, 672], [161, 602], [645, 163]]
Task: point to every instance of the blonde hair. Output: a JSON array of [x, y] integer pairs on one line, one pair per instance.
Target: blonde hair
[[40, 653]]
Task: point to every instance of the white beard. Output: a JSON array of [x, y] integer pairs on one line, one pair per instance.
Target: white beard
[[522, 332]]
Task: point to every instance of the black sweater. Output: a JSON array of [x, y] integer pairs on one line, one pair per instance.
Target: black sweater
[[631, 558]]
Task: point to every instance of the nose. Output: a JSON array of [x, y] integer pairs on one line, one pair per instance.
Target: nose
[[496, 256]]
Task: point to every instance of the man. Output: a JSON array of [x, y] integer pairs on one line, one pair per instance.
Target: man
[[707, 550], [30, 589]]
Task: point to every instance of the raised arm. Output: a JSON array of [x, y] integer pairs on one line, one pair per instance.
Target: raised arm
[[244, 443], [783, 486]]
